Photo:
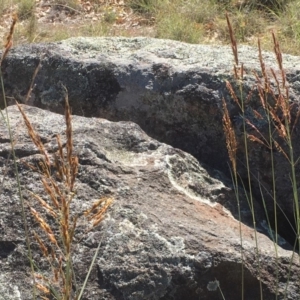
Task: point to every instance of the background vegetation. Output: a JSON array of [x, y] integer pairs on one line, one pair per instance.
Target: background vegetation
[[192, 21]]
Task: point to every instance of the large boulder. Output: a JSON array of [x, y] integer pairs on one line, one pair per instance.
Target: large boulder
[[171, 233], [172, 90]]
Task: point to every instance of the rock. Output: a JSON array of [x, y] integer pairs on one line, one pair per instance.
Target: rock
[[171, 232], [172, 90]]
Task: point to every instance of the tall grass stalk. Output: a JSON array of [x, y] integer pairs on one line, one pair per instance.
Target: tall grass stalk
[[231, 144], [239, 74], [276, 108], [7, 47]]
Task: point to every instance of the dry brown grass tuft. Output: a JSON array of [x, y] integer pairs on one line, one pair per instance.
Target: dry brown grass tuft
[[278, 117], [58, 176]]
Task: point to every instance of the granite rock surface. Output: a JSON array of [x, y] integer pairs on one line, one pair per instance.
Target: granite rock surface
[[171, 233], [172, 90]]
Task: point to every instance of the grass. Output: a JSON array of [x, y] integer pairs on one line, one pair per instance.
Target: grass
[[145, 6], [279, 112], [178, 26], [193, 21], [26, 9], [52, 210]]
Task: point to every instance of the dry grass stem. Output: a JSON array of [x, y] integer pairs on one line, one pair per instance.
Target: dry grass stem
[[263, 68], [41, 244], [232, 93], [34, 136], [278, 124], [257, 114], [285, 108], [60, 147], [230, 137], [279, 59], [261, 94], [95, 206], [59, 160], [44, 225], [68, 130], [44, 169], [253, 138], [73, 228], [98, 217], [274, 132], [9, 41], [296, 119], [282, 101], [74, 171], [56, 274], [50, 192], [249, 96], [30, 166], [71, 161], [45, 205], [277, 82], [42, 288], [238, 72], [59, 187], [233, 41], [279, 148], [37, 69], [39, 276]]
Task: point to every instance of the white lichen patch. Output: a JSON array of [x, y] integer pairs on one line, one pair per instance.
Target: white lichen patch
[[129, 158], [174, 245], [188, 177], [138, 237]]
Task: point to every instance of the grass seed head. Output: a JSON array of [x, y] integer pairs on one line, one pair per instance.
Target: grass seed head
[[44, 225], [233, 41], [233, 94], [51, 193], [45, 205], [42, 288], [9, 38], [34, 136], [231, 142]]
